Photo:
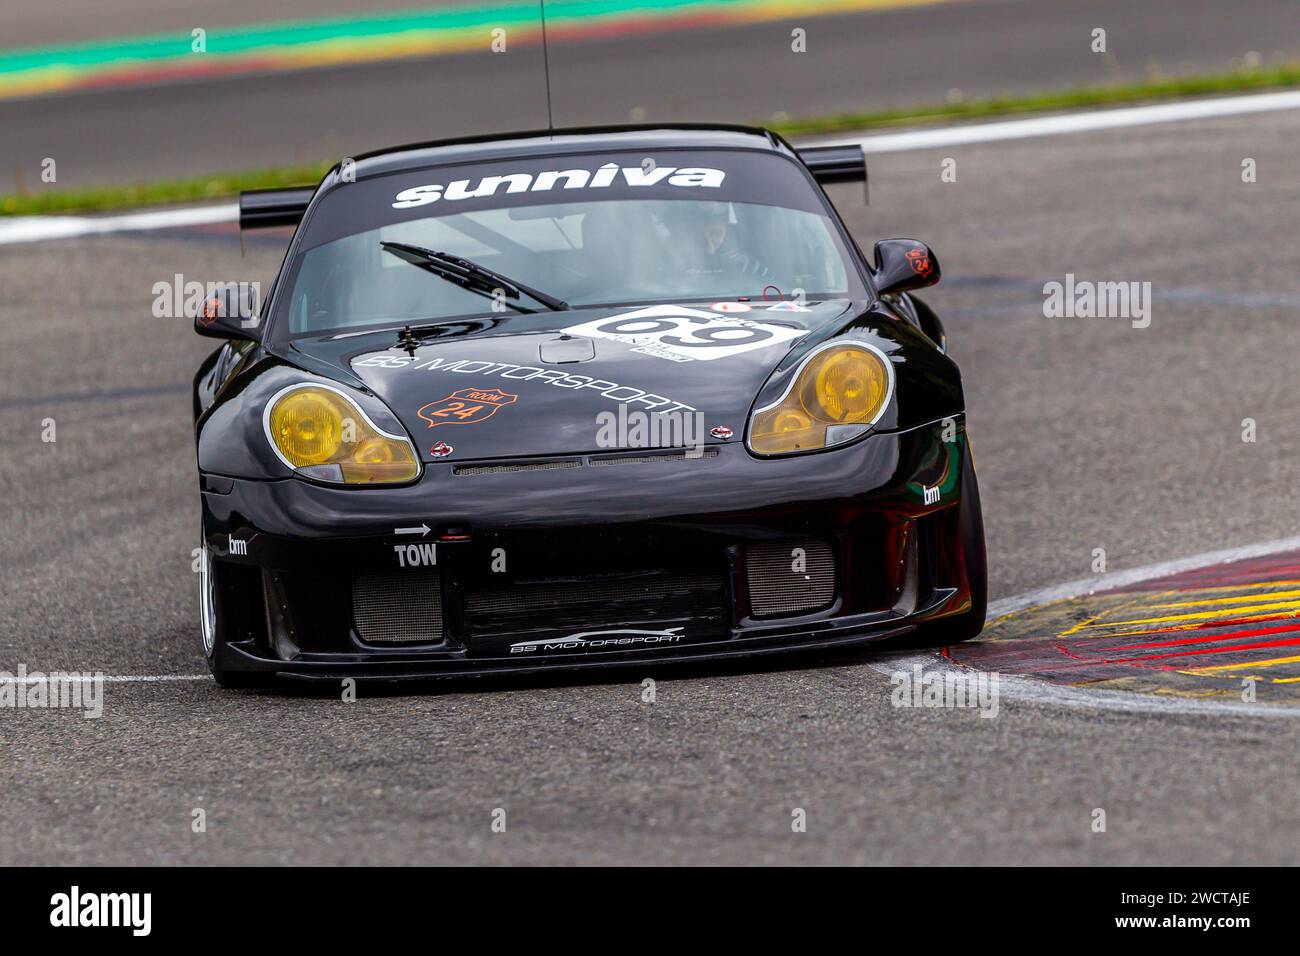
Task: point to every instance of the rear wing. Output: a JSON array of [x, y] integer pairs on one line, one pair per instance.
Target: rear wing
[[268, 208], [835, 164]]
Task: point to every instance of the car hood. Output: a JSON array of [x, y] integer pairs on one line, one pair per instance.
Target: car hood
[[583, 381]]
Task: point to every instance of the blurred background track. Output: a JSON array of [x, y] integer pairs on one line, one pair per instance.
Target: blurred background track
[[112, 93]]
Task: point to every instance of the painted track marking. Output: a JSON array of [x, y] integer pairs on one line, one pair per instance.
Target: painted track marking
[[1075, 122], [1026, 689], [1032, 691], [40, 228], [84, 678]]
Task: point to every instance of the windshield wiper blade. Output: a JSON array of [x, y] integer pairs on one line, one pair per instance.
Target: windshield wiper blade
[[470, 275], [444, 267]]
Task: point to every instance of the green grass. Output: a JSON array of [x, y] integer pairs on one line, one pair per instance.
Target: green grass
[[226, 185], [1150, 91], [99, 199]]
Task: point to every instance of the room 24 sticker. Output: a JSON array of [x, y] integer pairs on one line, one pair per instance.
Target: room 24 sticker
[[465, 406], [683, 335]]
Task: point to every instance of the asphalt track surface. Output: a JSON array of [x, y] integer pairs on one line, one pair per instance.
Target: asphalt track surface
[[856, 62], [1089, 433]]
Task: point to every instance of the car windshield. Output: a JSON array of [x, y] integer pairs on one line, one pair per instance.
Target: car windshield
[[611, 245]]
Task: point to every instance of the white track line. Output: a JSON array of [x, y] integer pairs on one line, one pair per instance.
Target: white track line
[[1074, 122], [39, 228], [84, 678], [1021, 688]]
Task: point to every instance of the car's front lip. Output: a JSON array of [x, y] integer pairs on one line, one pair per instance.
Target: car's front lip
[[397, 666]]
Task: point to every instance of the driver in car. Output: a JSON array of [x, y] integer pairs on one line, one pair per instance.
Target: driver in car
[[714, 242]]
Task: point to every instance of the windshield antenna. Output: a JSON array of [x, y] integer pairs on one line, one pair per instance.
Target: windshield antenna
[[546, 67]]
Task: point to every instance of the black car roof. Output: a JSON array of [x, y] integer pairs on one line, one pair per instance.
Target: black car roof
[[568, 141]]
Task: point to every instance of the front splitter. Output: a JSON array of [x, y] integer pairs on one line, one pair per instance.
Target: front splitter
[[578, 662]]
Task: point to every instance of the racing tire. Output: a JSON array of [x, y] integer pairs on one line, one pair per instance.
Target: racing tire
[[212, 629]]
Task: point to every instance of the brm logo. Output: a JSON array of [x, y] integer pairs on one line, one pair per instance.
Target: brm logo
[[74, 908], [685, 177]]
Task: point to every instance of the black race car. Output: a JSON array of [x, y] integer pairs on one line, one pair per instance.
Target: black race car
[[578, 398]]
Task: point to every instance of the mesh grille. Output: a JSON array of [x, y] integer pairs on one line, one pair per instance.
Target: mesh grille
[[522, 466], [779, 585], [645, 459], [398, 608]]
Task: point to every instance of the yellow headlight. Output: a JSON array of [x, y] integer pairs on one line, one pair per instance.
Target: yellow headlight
[[324, 435], [307, 426], [843, 385]]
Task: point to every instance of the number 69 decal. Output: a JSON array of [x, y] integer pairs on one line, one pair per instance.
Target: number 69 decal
[[683, 335]]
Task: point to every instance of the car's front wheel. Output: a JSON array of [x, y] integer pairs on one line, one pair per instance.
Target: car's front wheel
[[212, 629], [969, 623]]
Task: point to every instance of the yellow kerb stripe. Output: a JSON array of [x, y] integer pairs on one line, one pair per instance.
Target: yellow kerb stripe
[[1197, 625], [1249, 664], [1201, 615], [1227, 600]]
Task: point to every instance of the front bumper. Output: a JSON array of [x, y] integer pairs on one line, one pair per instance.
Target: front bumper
[[651, 558]]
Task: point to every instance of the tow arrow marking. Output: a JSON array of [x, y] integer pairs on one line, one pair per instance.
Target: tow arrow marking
[[422, 530]]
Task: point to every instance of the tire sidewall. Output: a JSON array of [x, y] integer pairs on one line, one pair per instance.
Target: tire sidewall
[[974, 551], [209, 628]]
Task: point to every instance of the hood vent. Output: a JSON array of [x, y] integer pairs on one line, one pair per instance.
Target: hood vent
[[567, 349]]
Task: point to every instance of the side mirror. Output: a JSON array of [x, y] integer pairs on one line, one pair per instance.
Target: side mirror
[[230, 312], [903, 265]]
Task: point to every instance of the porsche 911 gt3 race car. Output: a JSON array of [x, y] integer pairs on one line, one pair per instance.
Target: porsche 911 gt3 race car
[[578, 398]]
